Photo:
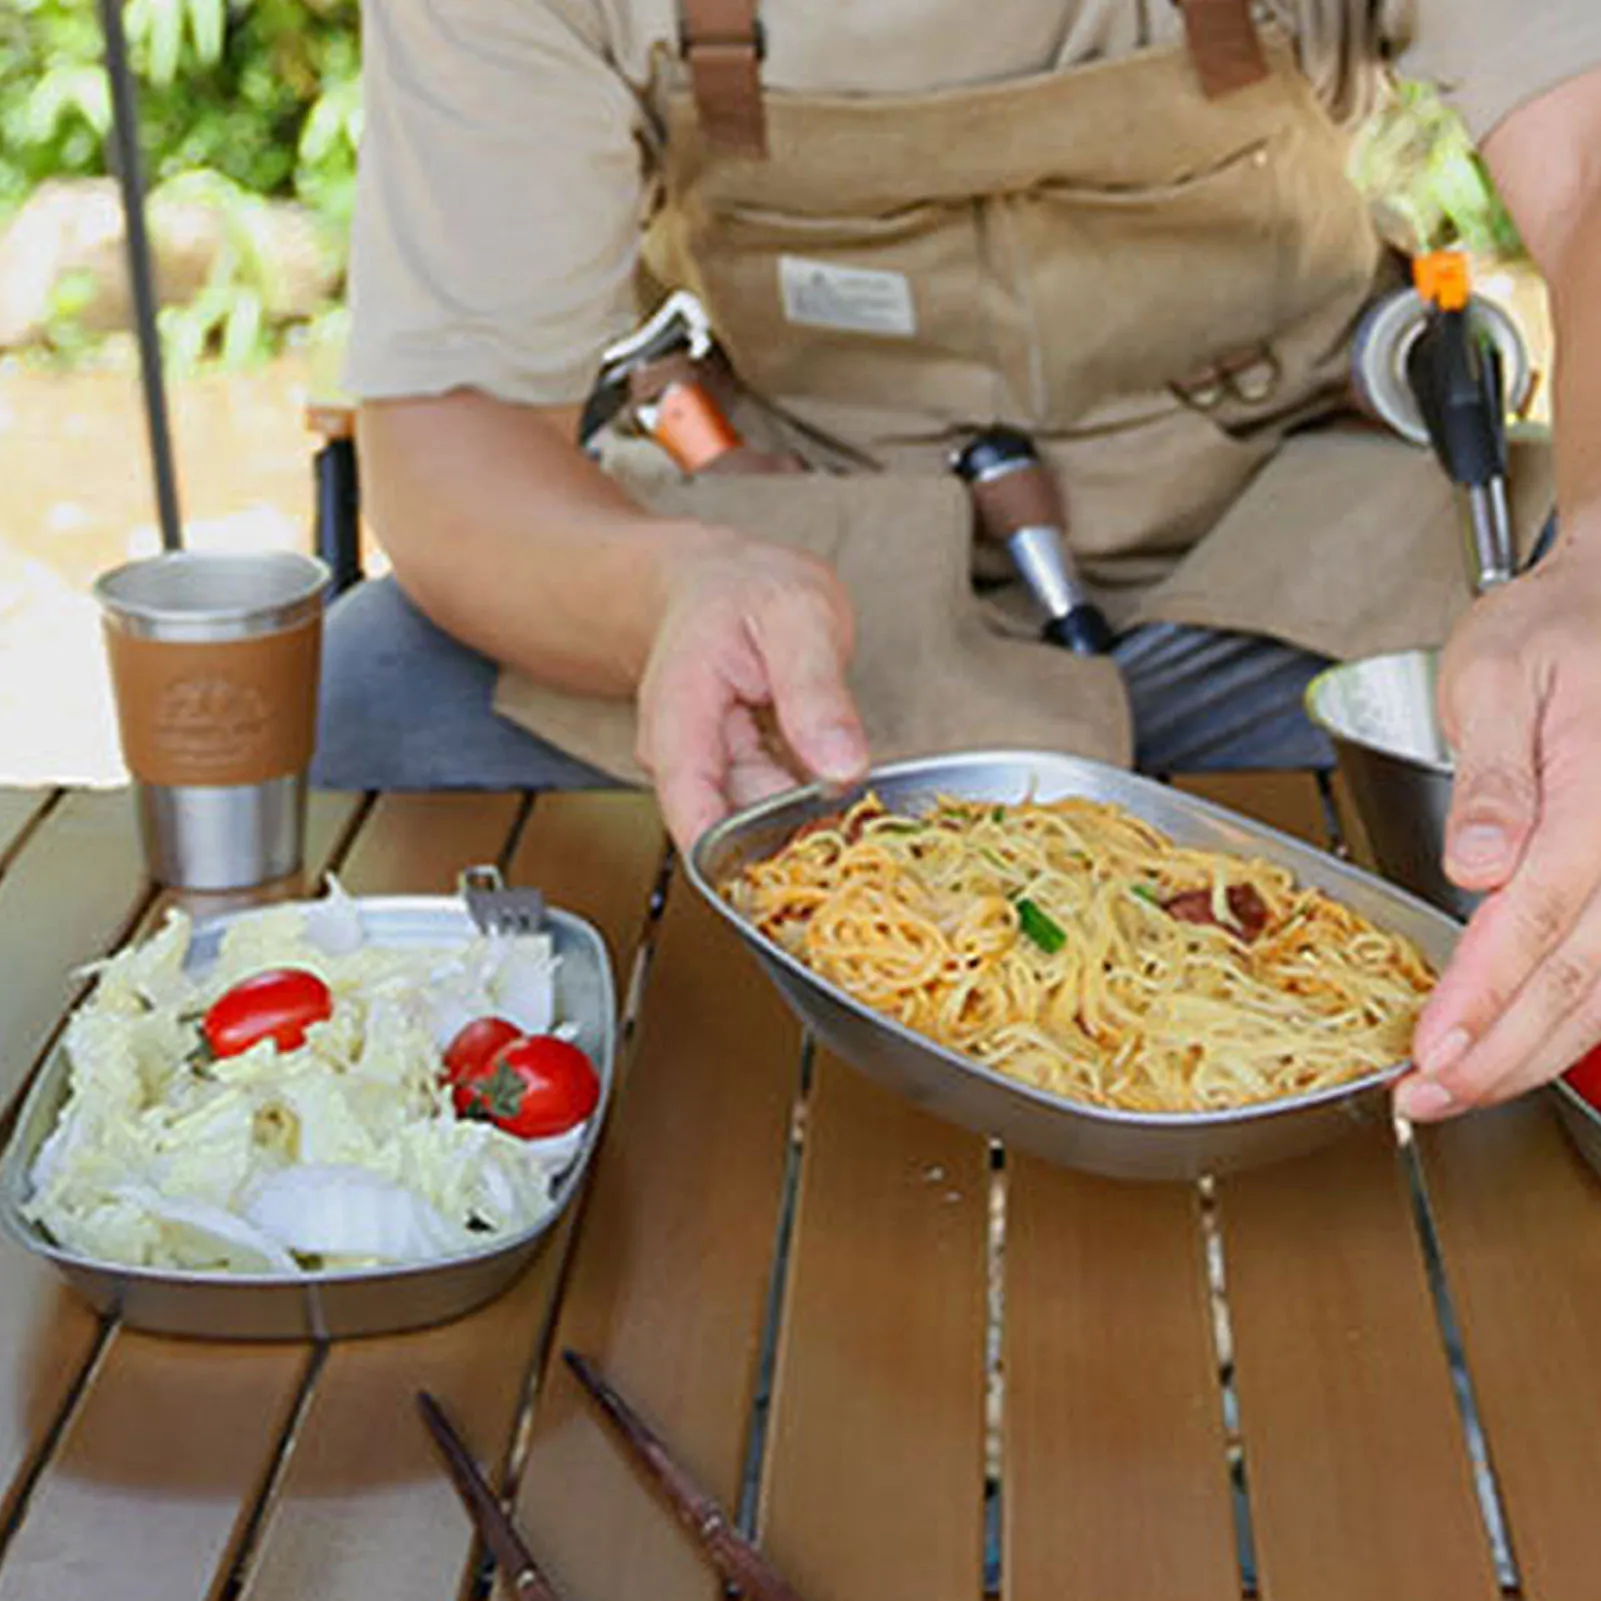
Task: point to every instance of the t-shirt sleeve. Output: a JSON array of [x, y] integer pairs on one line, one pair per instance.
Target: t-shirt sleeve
[[1488, 57], [498, 201]]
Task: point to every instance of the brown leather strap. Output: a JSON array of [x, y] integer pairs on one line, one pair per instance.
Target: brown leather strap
[[723, 44], [1223, 45]]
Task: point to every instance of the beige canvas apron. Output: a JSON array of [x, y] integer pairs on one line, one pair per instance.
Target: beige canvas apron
[[1157, 282]]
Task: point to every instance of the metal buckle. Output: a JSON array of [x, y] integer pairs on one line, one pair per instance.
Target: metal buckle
[[689, 42]]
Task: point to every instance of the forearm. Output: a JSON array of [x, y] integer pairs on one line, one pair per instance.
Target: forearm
[[1546, 160], [509, 538], [1575, 286]]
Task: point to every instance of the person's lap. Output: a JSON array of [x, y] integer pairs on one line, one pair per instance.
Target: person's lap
[[405, 706]]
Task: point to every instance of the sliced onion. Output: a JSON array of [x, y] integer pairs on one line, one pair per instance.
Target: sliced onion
[[326, 1209], [243, 1248], [523, 987], [333, 924]]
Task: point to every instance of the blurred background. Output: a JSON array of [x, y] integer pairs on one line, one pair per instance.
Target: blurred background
[[250, 114]]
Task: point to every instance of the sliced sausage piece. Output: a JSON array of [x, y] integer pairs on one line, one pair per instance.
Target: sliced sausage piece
[[1248, 909]]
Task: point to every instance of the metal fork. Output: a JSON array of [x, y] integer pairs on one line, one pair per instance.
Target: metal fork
[[498, 908]]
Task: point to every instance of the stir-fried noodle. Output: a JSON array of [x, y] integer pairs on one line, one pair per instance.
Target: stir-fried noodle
[[1077, 948]]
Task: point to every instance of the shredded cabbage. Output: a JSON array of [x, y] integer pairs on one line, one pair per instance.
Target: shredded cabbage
[[345, 1152]]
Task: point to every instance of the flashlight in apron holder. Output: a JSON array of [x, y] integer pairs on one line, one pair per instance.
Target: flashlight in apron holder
[[1016, 504], [1455, 373], [1443, 367]]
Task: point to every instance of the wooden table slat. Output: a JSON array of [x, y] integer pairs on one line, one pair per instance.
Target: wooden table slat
[[1354, 1447], [1519, 1218], [1352, 1438], [173, 1441], [878, 1404], [71, 893], [365, 1509], [1290, 801], [668, 1281], [1115, 1467]]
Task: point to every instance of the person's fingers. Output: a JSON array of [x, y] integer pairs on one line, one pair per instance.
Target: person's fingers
[[755, 771], [1527, 936], [1552, 1021], [1490, 709], [682, 709], [804, 642]]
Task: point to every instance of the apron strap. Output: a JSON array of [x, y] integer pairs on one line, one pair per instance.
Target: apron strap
[[1223, 45], [723, 44]]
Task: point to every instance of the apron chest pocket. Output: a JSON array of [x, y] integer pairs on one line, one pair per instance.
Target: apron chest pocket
[[1131, 288], [867, 310]]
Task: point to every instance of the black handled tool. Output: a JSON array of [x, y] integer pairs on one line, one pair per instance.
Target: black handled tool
[[1455, 372], [1017, 505]]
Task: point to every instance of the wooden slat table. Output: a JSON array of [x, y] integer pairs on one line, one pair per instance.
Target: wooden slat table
[[920, 1367]]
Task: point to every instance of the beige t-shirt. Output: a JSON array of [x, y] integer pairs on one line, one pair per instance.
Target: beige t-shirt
[[503, 176]]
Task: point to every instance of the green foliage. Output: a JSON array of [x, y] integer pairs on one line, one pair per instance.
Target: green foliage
[[1415, 161], [256, 98]]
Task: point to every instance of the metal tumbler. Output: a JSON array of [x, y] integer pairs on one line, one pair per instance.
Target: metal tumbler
[[214, 661]]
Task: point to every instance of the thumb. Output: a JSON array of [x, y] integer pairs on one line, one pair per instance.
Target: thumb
[[805, 657], [1495, 797]]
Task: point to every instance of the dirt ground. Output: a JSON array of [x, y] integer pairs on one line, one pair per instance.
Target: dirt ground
[[76, 498]]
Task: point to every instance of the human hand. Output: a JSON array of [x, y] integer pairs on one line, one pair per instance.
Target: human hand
[[748, 630], [1520, 701]]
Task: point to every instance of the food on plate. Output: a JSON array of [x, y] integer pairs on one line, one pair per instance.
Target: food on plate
[[1074, 947], [533, 1087], [279, 1004], [290, 1106]]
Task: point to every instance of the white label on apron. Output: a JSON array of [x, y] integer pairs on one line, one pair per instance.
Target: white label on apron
[[858, 300]]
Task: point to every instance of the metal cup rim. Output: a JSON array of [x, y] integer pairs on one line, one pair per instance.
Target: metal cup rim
[[314, 577], [1312, 701]]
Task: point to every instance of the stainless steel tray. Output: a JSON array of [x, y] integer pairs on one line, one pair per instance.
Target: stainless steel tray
[[331, 1304], [1120, 1144]]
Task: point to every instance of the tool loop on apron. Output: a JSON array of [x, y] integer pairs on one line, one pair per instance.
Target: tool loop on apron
[[723, 44]]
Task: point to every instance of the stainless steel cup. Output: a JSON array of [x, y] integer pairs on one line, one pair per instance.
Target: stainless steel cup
[[1380, 714], [214, 661]]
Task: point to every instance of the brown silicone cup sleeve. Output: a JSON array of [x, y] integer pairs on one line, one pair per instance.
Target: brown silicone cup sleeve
[[238, 711]]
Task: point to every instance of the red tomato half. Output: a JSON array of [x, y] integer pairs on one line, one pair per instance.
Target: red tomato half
[[279, 1004], [475, 1046], [1585, 1077], [534, 1088]]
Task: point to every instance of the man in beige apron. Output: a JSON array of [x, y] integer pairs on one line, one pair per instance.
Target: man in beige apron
[[1124, 227]]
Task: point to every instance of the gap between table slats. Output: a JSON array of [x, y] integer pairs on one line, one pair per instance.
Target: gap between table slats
[[667, 1286], [22, 811], [1519, 1219], [875, 1468], [364, 1508], [1352, 1439], [186, 1417]]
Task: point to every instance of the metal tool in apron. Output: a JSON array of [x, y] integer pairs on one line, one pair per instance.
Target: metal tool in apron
[[1443, 367], [1017, 504], [654, 372]]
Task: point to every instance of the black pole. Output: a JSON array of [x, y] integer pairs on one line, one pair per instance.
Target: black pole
[[141, 277]]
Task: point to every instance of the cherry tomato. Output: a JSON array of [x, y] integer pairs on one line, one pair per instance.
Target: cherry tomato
[[475, 1046], [534, 1087], [279, 1004], [1585, 1077]]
